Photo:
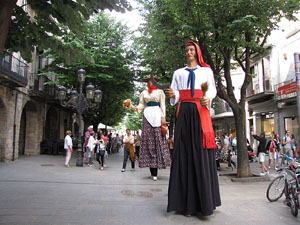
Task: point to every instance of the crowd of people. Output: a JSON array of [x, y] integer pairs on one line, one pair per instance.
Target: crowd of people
[[226, 147], [274, 146], [98, 145], [267, 151]]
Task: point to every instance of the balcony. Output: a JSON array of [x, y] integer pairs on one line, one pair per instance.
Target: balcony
[[41, 91], [222, 107], [222, 110], [255, 94], [13, 72]]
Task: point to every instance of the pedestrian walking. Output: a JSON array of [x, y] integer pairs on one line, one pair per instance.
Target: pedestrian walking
[[287, 144], [86, 140], [109, 144], [128, 150], [193, 185], [68, 146], [293, 146], [261, 151], [137, 143], [100, 151], [91, 146], [273, 152], [118, 142], [228, 150], [278, 147]]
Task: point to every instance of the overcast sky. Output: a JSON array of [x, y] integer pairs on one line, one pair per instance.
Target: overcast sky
[[132, 19]]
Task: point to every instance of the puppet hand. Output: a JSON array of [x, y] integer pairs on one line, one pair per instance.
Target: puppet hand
[[204, 101], [170, 93]]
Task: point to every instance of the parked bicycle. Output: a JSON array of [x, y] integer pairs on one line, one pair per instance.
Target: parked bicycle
[[287, 182]]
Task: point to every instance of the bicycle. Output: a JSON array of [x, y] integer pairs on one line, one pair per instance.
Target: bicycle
[[288, 182]]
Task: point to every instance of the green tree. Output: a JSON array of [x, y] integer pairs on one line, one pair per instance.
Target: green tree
[[134, 121], [107, 43], [21, 31], [226, 31]]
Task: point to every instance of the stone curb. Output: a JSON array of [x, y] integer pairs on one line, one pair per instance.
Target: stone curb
[[254, 178]]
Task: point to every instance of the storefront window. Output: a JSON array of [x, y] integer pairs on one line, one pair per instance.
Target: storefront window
[[268, 125], [265, 123]]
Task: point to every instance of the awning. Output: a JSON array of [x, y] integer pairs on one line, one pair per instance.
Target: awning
[[103, 126], [222, 115]]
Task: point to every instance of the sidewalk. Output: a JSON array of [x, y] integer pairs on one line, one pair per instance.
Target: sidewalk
[[40, 190], [255, 170]]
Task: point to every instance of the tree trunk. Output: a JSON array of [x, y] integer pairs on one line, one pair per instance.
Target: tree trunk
[[243, 166], [6, 11]]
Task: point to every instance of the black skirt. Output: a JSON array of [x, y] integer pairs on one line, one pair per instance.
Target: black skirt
[[193, 185]]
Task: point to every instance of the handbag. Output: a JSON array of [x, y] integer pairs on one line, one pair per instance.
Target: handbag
[[164, 129], [101, 152]]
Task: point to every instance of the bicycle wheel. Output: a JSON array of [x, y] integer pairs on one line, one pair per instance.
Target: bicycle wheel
[[294, 208], [276, 188]]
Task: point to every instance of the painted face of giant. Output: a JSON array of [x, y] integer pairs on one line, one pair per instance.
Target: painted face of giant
[[190, 53], [150, 82]]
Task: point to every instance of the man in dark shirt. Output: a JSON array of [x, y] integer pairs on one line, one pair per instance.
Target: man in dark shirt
[[261, 151]]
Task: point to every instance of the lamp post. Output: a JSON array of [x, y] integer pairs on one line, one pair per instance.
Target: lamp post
[[79, 102], [297, 75]]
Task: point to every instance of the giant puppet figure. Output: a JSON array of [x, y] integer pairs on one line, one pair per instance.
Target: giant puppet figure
[[154, 152], [193, 185]]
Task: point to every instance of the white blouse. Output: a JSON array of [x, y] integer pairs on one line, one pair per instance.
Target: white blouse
[[91, 144], [153, 114], [68, 142], [202, 75]]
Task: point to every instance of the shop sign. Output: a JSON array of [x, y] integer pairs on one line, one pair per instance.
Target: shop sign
[[287, 89]]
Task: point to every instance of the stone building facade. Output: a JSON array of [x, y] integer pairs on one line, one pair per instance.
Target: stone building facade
[[32, 120], [30, 114]]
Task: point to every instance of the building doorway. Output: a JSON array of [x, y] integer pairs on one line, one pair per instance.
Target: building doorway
[[28, 135], [22, 133]]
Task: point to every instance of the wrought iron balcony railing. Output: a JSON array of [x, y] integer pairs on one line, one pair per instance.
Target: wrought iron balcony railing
[[13, 71]]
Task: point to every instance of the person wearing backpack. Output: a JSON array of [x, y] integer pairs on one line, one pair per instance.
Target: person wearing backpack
[[287, 144], [261, 151]]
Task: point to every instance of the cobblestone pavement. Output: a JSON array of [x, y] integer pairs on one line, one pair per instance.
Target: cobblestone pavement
[[40, 190]]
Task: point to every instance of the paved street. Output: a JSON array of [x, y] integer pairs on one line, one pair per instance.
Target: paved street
[[40, 190]]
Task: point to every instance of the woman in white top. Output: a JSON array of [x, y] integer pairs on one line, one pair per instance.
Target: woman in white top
[[154, 151], [68, 146], [91, 145]]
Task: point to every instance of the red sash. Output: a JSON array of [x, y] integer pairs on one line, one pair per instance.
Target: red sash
[[206, 123]]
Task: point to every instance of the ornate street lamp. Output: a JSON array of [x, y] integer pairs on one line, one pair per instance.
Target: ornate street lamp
[[80, 103], [62, 92], [98, 96], [90, 91]]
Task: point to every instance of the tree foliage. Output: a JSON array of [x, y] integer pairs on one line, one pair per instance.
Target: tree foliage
[[226, 31], [134, 121], [107, 42], [37, 24]]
